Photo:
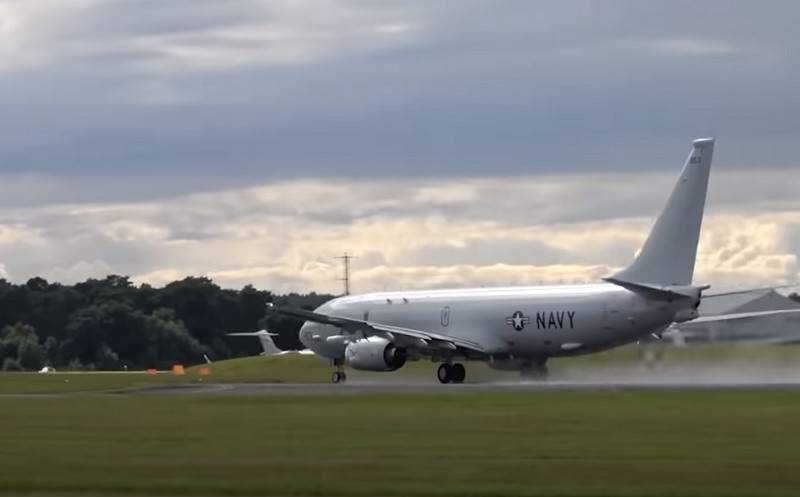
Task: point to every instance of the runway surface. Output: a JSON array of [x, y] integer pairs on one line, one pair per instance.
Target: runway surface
[[372, 388]]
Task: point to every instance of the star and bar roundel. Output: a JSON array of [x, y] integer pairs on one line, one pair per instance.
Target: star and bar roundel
[[518, 320]]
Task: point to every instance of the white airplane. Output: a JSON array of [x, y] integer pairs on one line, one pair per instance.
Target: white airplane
[[520, 328], [270, 349]]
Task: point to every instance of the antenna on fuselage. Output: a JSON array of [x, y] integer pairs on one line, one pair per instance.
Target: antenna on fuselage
[[346, 258]]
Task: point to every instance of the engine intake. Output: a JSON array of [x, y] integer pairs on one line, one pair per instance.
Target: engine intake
[[374, 354]]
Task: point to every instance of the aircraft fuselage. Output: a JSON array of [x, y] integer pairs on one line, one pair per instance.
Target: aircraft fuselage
[[522, 322]]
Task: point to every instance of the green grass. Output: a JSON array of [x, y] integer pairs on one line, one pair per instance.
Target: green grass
[[569, 444], [309, 369]]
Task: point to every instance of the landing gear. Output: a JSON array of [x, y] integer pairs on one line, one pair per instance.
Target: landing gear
[[338, 377], [534, 371], [451, 373], [458, 372]]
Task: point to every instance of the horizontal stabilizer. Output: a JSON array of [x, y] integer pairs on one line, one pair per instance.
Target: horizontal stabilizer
[[740, 316], [749, 290], [265, 337], [654, 292], [252, 333]]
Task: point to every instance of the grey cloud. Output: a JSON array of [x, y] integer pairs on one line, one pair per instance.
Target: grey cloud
[[250, 139], [486, 253], [475, 90]]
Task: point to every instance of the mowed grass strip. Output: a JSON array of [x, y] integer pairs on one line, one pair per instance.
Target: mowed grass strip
[[623, 364], [570, 444]]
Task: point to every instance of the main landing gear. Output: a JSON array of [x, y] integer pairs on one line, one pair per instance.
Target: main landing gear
[[534, 371], [339, 375], [451, 373]]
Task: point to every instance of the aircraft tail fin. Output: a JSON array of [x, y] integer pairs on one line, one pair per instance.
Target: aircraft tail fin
[[265, 338], [668, 255]]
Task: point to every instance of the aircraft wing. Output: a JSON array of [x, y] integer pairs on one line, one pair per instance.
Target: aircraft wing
[[412, 337], [739, 316]]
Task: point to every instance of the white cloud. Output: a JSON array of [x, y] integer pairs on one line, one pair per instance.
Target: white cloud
[[407, 234]]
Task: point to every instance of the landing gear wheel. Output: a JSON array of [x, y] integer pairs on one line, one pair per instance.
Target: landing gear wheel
[[338, 377], [444, 373], [457, 373]]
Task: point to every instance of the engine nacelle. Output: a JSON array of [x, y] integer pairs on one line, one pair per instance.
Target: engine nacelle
[[374, 354]]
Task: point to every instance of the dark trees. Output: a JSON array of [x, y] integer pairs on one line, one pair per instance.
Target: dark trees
[[111, 323]]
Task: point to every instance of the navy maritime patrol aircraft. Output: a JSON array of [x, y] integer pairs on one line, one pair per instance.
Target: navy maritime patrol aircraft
[[520, 328]]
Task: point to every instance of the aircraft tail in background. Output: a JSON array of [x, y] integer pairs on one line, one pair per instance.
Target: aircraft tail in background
[[270, 349], [265, 338]]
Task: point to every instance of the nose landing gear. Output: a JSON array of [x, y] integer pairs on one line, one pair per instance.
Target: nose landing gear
[[451, 373]]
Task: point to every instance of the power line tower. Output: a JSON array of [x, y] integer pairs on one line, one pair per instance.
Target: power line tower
[[346, 258]]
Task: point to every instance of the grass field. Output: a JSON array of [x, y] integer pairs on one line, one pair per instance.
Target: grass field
[[569, 444], [769, 363]]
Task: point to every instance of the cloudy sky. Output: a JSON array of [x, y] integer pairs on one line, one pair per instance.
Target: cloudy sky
[[444, 143]]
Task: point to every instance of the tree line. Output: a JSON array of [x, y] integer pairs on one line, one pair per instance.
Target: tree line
[[112, 324]]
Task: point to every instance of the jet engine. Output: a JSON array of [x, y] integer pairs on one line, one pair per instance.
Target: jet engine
[[374, 354]]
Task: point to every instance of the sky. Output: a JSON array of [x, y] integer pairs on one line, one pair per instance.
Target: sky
[[446, 143]]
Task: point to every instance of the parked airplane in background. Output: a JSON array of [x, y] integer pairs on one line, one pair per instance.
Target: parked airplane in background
[[270, 349], [520, 328]]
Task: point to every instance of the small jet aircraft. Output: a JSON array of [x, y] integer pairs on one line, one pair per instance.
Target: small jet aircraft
[[270, 349], [520, 328]]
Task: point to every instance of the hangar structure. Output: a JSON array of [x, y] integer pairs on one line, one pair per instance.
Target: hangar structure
[[750, 318]]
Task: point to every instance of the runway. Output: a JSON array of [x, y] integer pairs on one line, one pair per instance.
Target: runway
[[394, 388]]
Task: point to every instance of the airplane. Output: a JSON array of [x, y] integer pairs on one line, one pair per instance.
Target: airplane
[[520, 328], [270, 349]]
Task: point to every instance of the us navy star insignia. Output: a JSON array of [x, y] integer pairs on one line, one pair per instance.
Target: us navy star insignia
[[518, 320]]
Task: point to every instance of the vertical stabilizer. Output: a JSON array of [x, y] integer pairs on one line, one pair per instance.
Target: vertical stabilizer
[[668, 256]]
